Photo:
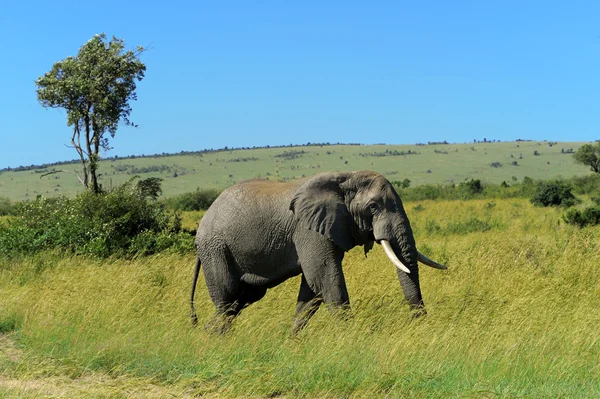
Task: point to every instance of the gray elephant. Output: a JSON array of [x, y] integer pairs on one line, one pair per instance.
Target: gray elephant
[[259, 233]]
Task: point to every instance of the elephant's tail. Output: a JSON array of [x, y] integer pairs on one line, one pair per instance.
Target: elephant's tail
[[193, 313]]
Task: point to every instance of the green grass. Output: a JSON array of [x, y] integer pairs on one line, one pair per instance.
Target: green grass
[[515, 315], [190, 220], [216, 170]]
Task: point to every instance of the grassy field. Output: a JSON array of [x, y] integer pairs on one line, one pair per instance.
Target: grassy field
[[516, 315], [430, 164]]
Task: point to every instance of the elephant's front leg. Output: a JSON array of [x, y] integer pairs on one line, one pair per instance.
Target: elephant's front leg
[[322, 279], [307, 306]]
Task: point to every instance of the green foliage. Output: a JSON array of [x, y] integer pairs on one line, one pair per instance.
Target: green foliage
[[122, 222], [150, 187], [553, 193], [6, 207], [194, 201], [10, 323], [292, 154], [589, 184], [95, 88], [401, 184], [590, 216], [589, 154], [472, 187]]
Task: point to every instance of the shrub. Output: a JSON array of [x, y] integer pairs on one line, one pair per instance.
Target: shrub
[[427, 192], [150, 187], [6, 207], [553, 193], [471, 187], [102, 225], [589, 184], [195, 201], [589, 216], [401, 184]]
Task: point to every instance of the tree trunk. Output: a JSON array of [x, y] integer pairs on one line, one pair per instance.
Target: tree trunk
[[94, 158], [76, 141], [92, 153]]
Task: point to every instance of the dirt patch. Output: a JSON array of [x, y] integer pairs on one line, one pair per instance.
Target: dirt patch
[[9, 350], [90, 386]]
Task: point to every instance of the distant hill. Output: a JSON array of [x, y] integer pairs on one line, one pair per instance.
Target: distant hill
[[434, 163]]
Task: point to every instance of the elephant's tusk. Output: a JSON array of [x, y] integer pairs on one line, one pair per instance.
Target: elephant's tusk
[[426, 261], [390, 254]]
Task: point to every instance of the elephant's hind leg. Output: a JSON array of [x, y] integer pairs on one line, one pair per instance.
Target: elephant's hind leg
[[227, 312], [224, 287]]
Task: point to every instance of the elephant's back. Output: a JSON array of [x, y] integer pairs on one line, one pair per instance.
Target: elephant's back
[[248, 209]]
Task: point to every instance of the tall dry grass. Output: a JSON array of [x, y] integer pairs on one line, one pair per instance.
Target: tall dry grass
[[516, 315]]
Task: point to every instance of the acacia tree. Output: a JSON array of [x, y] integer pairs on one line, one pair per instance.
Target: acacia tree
[[95, 88], [589, 154]]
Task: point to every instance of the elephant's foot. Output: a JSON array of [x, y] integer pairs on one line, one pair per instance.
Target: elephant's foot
[[298, 325], [304, 311], [219, 324], [418, 311]]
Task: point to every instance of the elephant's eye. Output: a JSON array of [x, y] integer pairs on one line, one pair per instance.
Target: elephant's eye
[[374, 208]]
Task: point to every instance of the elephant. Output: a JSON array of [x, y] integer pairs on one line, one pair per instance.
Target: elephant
[[259, 233]]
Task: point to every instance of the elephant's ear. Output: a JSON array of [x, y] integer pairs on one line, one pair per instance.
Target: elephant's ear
[[319, 206]]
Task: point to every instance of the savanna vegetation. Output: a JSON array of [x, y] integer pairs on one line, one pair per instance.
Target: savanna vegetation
[[427, 164], [124, 222], [514, 316]]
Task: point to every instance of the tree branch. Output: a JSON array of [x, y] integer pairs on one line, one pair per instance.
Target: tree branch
[[66, 171]]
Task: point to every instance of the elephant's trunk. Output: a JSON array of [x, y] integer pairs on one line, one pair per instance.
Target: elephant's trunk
[[405, 249]]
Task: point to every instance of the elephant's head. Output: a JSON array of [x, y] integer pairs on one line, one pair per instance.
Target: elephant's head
[[361, 208]]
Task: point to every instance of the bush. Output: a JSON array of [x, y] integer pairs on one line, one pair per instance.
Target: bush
[[553, 193], [195, 201], [6, 207], [102, 225], [471, 187], [589, 184], [589, 216], [150, 187]]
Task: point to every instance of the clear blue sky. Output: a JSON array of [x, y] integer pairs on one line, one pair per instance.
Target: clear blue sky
[[250, 73]]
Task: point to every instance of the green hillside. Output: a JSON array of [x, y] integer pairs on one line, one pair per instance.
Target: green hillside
[[423, 164]]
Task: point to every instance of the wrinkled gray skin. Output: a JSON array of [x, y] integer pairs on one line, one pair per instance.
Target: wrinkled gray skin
[[258, 234]]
